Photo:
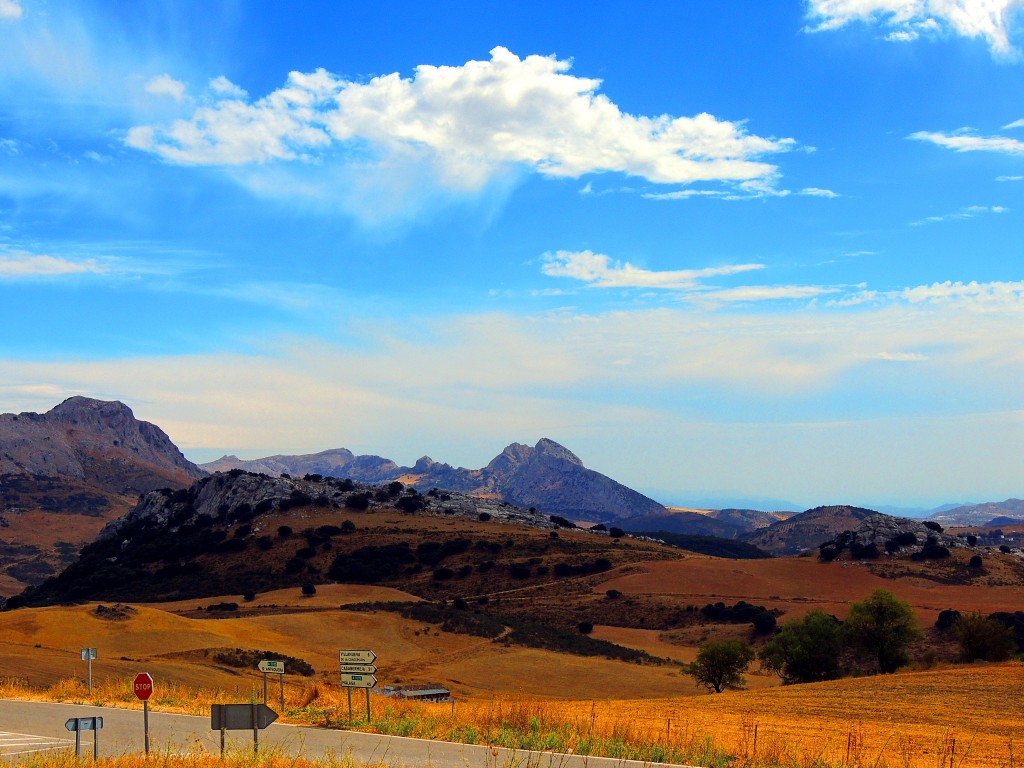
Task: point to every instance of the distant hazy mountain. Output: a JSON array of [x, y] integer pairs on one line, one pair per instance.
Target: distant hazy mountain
[[547, 476], [724, 523], [980, 514]]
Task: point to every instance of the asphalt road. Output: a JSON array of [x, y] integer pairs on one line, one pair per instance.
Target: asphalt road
[[38, 726]]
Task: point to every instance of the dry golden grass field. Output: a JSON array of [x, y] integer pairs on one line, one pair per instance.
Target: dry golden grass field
[[44, 645]]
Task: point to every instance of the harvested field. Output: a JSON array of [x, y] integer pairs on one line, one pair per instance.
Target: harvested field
[[798, 584], [961, 716]]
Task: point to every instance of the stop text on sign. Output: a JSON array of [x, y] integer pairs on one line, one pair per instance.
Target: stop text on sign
[[143, 685]]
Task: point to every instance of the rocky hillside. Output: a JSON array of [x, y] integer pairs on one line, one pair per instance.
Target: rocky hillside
[[95, 442], [237, 532], [548, 477], [808, 529], [65, 473]]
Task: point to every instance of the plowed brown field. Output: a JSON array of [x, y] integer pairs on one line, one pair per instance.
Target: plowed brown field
[[798, 584]]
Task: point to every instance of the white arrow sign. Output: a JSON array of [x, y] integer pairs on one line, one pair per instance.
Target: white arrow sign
[[272, 667], [358, 681], [359, 669], [357, 657]]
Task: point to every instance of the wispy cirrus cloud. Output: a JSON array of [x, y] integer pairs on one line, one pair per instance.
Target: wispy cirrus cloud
[[597, 270], [1014, 124], [967, 140], [906, 20], [18, 265], [465, 125], [968, 212]]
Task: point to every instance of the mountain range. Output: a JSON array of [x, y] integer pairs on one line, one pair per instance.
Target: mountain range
[[548, 477], [66, 473]]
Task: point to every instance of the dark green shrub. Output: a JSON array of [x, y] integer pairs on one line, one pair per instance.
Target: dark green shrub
[[358, 501], [585, 627], [519, 571], [975, 561]]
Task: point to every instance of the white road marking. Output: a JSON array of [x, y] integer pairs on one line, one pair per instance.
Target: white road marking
[[26, 743]]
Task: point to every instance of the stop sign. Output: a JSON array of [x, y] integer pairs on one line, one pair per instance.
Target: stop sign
[[143, 685]]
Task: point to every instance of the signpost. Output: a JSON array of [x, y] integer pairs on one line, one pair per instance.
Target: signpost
[[271, 667], [143, 687], [88, 654], [79, 724], [357, 671], [241, 717]]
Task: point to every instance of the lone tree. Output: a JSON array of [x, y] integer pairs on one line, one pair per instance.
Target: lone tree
[[805, 650], [720, 664], [881, 628], [982, 637]]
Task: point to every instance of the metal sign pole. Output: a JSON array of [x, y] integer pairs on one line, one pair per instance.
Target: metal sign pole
[[223, 738], [256, 729], [349, 691], [282, 692], [78, 740], [90, 672], [95, 741], [264, 687], [145, 722], [367, 705]]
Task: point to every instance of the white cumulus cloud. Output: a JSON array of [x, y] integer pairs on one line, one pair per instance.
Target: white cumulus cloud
[[907, 20], [10, 10], [165, 85], [225, 88], [466, 124], [20, 264]]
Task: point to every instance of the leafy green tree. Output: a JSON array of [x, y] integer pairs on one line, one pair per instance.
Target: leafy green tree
[[881, 627], [720, 664], [983, 638], [805, 650]]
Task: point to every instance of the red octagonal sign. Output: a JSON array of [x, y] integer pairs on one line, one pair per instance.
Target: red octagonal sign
[[143, 685]]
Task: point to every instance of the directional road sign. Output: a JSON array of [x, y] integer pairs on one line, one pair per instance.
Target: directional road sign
[[240, 717], [357, 657], [143, 685], [271, 667], [88, 654], [84, 724], [358, 681], [359, 669]]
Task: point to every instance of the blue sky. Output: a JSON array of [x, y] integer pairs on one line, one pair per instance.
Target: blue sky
[[761, 250]]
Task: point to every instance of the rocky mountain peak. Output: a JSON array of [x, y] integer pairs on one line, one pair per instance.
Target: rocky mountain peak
[[85, 411], [550, 449], [96, 441]]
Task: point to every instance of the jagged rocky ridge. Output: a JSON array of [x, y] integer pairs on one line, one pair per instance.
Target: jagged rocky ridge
[[97, 442], [239, 496], [547, 476]]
